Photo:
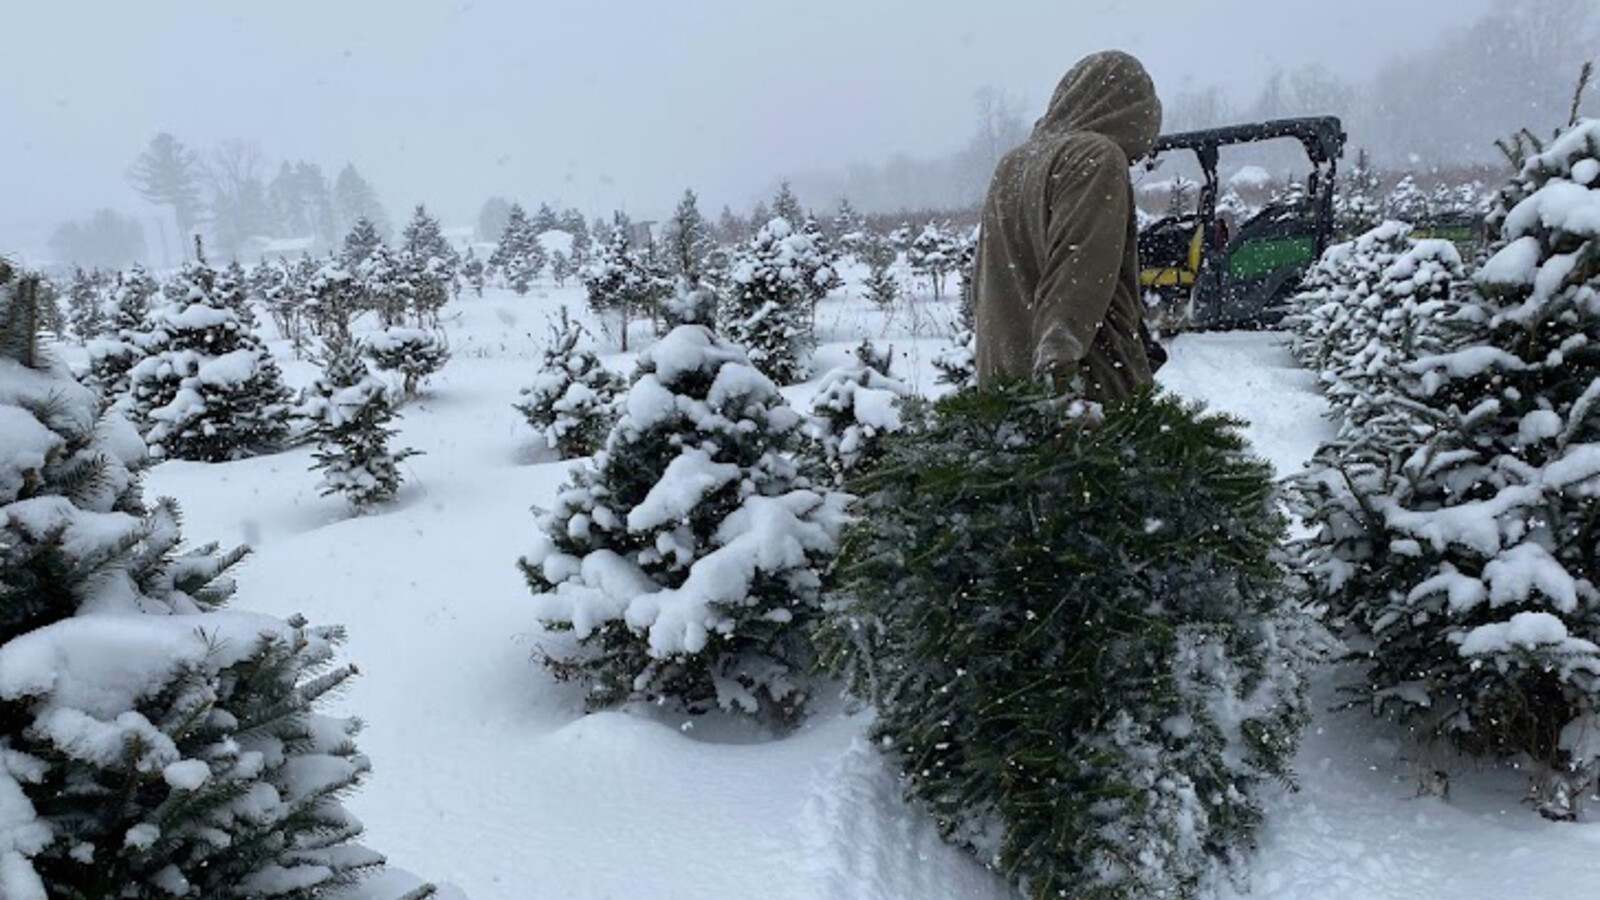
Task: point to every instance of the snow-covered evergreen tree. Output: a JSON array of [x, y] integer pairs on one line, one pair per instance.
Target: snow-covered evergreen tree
[[572, 222], [423, 239], [428, 264], [350, 411], [1079, 645], [472, 269], [383, 285], [881, 287], [233, 293], [1459, 559], [848, 227], [855, 408], [819, 271], [622, 281], [1358, 207], [86, 305], [687, 557], [360, 243], [690, 306], [765, 308], [1413, 312], [1407, 202], [1336, 312], [572, 402], [413, 354], [152, 745], [334, 296], [688, 240], [135, 293], [206, 388], [520, 256], [934, 254]]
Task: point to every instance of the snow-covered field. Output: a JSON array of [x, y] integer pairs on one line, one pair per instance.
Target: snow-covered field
[[489, 776]]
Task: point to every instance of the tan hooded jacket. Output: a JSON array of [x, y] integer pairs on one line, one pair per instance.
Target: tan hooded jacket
[[1058, 263]]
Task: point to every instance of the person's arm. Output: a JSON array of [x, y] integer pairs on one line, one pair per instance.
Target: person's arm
[[1087, 234]]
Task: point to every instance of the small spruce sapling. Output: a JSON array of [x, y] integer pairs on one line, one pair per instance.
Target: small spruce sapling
[[351, 415], [572, 403]]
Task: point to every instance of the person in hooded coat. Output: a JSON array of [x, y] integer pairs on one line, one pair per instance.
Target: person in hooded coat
[[1057, 276]]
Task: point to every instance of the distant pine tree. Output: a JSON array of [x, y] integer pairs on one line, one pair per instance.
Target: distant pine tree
[[785, 205], [623, 281], [519, 256], [360, 243], [688, 240]]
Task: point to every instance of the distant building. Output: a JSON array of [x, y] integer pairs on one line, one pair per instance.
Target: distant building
[[263, 247]]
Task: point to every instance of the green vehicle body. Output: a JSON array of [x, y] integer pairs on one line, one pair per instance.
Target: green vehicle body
[[1204, 278]]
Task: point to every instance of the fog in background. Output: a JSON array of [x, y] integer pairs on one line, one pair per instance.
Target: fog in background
[[622, 105]]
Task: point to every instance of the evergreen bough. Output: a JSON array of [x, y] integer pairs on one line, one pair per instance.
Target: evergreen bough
[[1076, 636]]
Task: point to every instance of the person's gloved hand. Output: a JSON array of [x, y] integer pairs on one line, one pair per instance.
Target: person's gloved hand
[[1067, 379]]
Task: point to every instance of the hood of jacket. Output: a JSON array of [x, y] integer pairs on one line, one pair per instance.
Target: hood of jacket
[[1108, 93]]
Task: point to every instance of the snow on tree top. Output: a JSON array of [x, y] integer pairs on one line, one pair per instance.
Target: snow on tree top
[[1573, 144], [195, 316], [102, 665], [689, 348], [391, 339]]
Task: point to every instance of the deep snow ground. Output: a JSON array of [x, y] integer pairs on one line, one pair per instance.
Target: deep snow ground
[[488, 775]]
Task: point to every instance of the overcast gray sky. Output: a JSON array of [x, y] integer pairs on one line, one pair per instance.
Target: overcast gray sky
[[595, 104]]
